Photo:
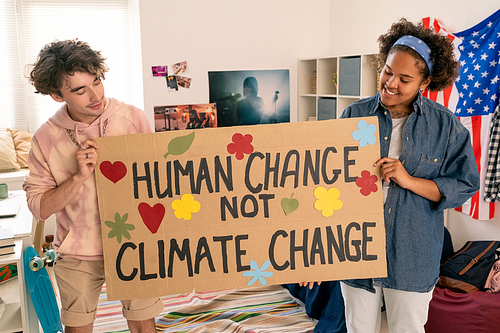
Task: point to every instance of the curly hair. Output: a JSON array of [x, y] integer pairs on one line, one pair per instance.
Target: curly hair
[[445, 69], [58, 59]]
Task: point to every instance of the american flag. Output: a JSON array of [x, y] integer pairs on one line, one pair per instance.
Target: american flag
[[474, 95]]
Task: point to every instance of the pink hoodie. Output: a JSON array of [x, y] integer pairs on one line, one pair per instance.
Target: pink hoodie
[[52, 160]]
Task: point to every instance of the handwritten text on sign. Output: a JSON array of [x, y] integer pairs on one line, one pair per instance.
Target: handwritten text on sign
[[242, 206]]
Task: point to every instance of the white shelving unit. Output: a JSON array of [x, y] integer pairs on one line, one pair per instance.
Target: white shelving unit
[[356, 79], [14, 317]]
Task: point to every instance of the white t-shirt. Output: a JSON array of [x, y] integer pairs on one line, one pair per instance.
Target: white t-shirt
[[395, 147]]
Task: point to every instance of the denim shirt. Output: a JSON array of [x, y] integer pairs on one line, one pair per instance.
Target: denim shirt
[[436, 146]]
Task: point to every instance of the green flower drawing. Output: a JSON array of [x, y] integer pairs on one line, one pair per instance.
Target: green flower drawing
[[119, 228]]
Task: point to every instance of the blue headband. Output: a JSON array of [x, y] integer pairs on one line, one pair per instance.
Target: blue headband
[[419, 46]]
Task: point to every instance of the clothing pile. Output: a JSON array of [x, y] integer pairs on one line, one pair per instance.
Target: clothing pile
[[467, 296], [468, 269]]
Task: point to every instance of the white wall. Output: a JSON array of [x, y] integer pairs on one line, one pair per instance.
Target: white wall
[[273, 34], [356, 24], [355, 27], [227, 35]]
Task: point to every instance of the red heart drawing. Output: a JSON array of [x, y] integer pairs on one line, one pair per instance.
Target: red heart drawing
[[152, 216], [113, 172]]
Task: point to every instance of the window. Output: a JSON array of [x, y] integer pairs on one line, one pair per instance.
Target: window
[[27, 25]]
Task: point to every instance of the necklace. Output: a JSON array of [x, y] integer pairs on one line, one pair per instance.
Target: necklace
[[77, 144]]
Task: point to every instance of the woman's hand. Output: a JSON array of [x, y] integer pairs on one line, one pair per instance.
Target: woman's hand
[[392, 170], [311, 284]]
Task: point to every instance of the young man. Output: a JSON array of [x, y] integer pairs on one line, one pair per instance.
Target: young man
[[62, 160]]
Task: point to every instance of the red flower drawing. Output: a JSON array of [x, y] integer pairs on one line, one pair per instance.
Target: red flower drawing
[[240, 145], [367, 183]]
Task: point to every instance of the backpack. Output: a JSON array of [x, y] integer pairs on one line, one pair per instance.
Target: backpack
[[468, 268]]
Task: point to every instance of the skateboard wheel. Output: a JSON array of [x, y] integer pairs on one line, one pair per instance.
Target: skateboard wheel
[[36, 263], [50, 256]]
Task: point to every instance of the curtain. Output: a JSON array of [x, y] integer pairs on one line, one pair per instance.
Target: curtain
[[27, 25]]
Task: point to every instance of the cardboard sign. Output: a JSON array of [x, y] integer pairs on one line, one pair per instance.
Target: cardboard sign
[[221, 208]]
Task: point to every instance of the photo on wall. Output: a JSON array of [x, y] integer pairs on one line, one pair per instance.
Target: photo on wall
[[172, 83], [180, 68], [184, 82], [181, 117], [159, 70], [250, 97]]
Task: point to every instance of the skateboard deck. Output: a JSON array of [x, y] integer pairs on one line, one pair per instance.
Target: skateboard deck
[[42, 293]]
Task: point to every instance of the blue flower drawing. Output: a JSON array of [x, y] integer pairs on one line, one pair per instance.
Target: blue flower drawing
[[258, 273], [365, 133]]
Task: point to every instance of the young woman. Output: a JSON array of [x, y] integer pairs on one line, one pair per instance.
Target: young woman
[[427, 165]]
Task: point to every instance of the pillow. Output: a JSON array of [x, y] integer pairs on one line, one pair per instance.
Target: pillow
[[8, 157], [22, 144]]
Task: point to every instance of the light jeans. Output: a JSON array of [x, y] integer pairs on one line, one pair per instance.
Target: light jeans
[[406, 311]]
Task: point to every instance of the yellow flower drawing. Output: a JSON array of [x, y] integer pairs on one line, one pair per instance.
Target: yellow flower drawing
[[328, 200], [185, 206]]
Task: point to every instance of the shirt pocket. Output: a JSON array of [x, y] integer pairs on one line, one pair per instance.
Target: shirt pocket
[[428, 166]]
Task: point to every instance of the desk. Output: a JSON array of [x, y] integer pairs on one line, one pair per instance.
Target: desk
[[22, 224], [23, 314]]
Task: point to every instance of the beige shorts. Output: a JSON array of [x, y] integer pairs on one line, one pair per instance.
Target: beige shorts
[[80, 283]]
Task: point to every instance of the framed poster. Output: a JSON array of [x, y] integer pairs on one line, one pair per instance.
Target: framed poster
[[250, 97]]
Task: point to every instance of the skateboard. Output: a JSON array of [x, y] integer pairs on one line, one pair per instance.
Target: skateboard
[[41, 289]]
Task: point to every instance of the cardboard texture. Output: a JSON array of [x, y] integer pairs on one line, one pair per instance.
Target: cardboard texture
[[231, 207]]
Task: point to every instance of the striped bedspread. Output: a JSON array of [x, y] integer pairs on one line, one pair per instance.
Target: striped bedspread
[[262, 309]]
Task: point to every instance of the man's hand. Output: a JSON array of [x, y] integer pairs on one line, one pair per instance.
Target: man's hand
[[57, 198], [87, 159]]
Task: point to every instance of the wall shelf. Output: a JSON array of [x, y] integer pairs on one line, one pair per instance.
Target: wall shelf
[[356, 79]]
